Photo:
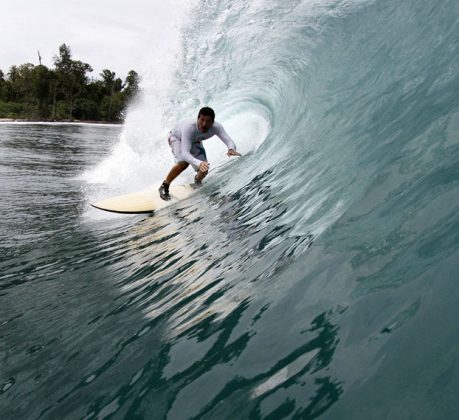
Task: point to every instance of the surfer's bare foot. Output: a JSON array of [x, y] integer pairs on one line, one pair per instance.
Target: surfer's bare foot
[[164, 192]]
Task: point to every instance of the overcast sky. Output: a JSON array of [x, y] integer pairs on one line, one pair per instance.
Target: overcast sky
[[116, 34]]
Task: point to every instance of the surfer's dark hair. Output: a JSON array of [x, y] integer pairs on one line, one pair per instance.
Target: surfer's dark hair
[[207, 112]]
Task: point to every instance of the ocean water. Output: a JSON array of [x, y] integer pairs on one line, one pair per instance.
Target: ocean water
[[314, 277]]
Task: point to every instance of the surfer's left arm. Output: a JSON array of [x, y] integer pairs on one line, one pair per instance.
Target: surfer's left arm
[[225, 138], [232, 152]]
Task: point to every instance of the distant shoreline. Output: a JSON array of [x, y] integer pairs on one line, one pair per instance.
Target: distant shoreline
[[26, 121]]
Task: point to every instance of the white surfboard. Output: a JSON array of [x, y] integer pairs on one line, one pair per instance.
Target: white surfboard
[[143, 201]]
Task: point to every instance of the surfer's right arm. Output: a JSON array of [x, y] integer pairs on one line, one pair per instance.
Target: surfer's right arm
[[187, 142]]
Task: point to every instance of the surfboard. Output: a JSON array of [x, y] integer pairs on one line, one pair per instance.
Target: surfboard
[[146, 201]]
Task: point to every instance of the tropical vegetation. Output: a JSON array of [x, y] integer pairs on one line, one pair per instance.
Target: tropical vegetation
[[65, 92]]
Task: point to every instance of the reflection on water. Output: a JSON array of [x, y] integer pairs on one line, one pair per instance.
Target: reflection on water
[[197, 264], [194, 274]]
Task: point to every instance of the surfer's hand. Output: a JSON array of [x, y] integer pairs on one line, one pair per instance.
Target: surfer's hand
[[204, 166], [232, 152]]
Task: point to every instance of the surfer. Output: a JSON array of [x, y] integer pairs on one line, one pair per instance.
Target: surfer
[[185, 141]]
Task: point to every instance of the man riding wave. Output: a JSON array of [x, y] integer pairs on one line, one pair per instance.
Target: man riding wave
[[186, 140]]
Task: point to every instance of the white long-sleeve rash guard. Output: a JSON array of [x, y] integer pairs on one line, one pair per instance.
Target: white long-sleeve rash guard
[[186, 131]]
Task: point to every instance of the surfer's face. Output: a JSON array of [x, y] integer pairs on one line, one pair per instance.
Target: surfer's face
[[204, 123]]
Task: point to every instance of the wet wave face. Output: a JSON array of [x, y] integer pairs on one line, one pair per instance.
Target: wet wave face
[[313, 277]]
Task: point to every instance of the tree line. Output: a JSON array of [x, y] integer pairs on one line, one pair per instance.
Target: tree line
[[65, 92]]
